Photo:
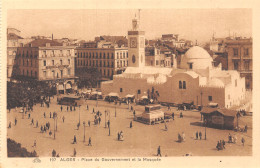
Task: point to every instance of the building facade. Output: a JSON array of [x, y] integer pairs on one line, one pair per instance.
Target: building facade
[[49, 61], [240, 58], [14, 40], [107, 61]]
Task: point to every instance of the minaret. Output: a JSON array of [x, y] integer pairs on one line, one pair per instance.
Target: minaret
[[136, 45]]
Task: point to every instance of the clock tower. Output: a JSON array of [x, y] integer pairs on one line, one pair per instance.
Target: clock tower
[[136, 46]]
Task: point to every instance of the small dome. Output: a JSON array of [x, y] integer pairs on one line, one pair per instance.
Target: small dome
[[196, 58], [197, 52]]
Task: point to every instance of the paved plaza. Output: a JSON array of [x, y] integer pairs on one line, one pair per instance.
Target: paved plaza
[[140, 140]]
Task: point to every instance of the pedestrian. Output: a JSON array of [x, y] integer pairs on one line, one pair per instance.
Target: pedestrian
[[93, 110], [70, 108], [173, 115], [67, 108], [131, 108], [99, 120], [61, 108], [229, 138], [50, 114], [200, 135], [74, 153], [29, 115], [32, 122], [223, 143], [75, 139], [89, 142], [134, 113], [34, 144], [44, 115], [197, 135], [37, 124], [169, 108], [53, 153], [246, 128], [88, 123], [9, 125], [41, 129], [118, 136], [159, 151], [131, 124], [108, 123], [15, 121], [181, 116], [243, 141], [63, 118], [74, 107]]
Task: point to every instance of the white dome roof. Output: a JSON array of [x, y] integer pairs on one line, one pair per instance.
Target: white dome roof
[[198, 57], [197, 52]]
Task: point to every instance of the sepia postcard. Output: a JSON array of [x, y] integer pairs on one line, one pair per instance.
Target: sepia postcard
[[129, 83]]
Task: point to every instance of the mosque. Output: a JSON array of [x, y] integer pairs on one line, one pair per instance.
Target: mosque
[[196, 80]]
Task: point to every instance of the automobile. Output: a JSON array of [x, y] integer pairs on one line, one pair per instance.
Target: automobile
[[69, 101]]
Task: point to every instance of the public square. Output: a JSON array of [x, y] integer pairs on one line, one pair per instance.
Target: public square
[[141, 140]]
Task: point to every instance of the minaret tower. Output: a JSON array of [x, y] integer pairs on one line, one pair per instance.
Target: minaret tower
[[136, 45]]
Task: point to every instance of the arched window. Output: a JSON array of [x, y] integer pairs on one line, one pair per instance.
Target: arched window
[[180, 85], [184, 84]]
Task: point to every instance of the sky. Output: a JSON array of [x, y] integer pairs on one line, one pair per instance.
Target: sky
[[85, 24]]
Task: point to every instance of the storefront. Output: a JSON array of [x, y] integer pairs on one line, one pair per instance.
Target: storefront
[[220, 118]]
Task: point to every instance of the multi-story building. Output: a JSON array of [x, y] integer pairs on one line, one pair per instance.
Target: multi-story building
[[240, 58], [105, 60], [14, 40], [153, 57], [49, 61]]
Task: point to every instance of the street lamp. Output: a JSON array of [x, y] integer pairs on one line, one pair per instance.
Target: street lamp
[[56, 121], [109, 123], [115, 108], [84, 130], [79, 115], [105, 119], [205, 122], [54, 125]]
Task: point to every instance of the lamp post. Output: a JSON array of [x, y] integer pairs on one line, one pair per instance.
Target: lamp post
[[79, 115], [205, 122], [54, 126], [115, 108], [105, 119], [56, 121], [84, 131], [109, 123]]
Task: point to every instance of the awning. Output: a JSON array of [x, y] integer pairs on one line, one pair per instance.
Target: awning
[[99, 93], [60, 87], [68, 86], [94, 93], [213, 104], [144, 97], [112, 94], [130, 96]]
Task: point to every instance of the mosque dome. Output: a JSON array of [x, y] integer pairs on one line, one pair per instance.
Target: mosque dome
[[196, 58], [197, 52]]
